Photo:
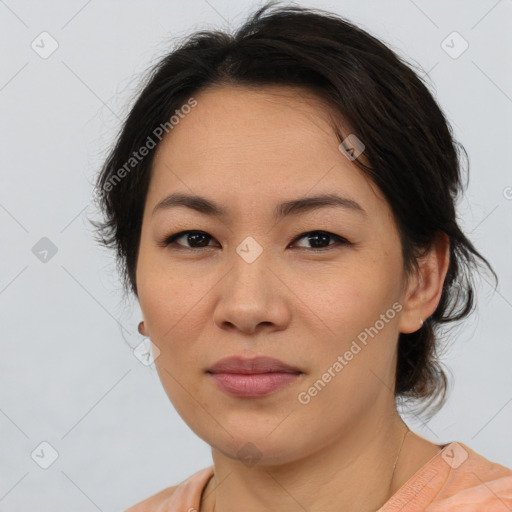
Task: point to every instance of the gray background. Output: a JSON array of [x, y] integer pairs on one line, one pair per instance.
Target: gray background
[[68, 375]]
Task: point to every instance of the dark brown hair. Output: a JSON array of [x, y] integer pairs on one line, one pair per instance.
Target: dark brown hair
[[412, 155]]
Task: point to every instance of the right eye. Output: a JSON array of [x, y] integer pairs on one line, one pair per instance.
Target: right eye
[[195, 239]]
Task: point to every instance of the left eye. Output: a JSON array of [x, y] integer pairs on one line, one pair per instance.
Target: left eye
[[319, 238], [201, 238]]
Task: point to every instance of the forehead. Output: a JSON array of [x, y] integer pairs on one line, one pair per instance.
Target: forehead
[[272, 141], [239, 121]]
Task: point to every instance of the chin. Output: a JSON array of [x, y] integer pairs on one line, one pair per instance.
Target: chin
[[253, 446]]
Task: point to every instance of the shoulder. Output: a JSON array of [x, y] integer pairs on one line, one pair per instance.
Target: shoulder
[[464, 462], [473, 480], [155, 503]]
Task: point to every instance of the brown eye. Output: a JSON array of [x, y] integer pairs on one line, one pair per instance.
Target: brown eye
[[320, 239], [195, 239]]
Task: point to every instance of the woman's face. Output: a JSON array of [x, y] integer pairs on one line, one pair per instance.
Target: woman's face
[[247, 286]]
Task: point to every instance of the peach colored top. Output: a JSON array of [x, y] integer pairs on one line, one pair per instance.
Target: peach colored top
[[457, 479]]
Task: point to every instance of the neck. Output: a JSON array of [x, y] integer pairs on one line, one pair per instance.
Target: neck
[[355, 471]]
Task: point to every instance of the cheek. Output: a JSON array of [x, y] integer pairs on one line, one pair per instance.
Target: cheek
[[167, 296], [359, 312], [164, 308], [353, 296], [171, 307]]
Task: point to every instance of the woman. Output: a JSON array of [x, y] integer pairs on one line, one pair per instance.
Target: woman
[[282, 205]]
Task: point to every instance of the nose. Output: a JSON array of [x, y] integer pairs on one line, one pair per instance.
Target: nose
[[251, 297]]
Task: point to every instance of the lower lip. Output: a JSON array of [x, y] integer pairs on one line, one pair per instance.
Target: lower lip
[[253, 385]]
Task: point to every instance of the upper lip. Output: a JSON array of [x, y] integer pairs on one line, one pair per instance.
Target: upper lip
[[243, 365]]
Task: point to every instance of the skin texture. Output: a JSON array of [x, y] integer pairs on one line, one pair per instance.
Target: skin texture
[[249, 150]]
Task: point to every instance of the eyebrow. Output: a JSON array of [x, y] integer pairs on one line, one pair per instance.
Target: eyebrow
[[285, 209]]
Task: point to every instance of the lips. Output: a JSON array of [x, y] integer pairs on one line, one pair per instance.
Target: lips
[[252, 378], [251, 366]]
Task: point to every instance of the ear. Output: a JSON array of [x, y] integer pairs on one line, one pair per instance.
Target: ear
[[423, 291]]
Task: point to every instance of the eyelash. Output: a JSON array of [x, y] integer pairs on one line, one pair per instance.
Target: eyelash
[[171, 240]]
